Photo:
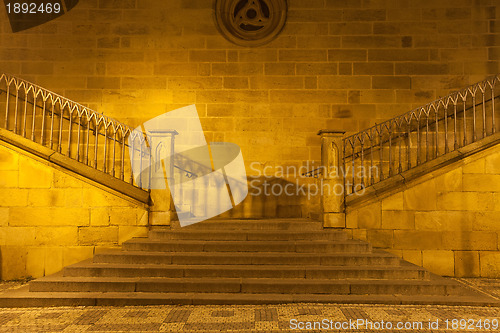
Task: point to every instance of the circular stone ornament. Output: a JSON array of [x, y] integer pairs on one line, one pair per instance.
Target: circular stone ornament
[[250, 22]]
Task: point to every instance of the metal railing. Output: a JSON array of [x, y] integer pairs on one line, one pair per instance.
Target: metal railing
[[72, 129], [315, 173], [421, 135]]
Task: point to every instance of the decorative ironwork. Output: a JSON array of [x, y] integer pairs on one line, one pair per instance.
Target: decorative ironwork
[[314, 173], [421, 135], [250, 22], [72, 129]]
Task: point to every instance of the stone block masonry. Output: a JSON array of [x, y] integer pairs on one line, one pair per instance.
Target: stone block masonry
[[50, 218], [337, 64], [352, 63], [447, 221]]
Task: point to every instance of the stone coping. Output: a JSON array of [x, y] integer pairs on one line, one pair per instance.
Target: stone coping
[[74, 166]]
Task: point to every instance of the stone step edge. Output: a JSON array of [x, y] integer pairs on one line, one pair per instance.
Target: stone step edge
[[249, 286], [373, 254], [246, 231], [245, 267], [23, 298], [259, 220], [146, 240], [248, 236], [250, 258], [358, 282]]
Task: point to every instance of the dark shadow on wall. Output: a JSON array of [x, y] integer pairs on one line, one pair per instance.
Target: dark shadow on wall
[[272, 197]]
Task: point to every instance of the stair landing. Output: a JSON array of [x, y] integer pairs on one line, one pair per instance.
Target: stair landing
[[243, 262]]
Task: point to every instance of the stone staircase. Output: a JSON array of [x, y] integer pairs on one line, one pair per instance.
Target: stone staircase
[[243, 262]]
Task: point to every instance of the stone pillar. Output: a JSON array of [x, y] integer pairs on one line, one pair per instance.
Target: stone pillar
[[332, 181], [162, 209]]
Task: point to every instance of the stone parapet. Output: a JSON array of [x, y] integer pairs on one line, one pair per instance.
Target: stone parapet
[[446, 219], [51, 217]]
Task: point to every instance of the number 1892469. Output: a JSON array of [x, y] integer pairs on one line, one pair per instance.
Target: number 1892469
[[33, 8], [472, 324]]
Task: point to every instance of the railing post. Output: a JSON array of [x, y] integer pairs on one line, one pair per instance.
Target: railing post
[[162, 145], [332, 182]]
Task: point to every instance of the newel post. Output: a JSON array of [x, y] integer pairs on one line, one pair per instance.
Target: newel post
[[332, 181]]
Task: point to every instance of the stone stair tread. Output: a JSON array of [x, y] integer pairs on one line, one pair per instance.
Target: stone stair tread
[[252, 224], [249, 258], [304, 246], [242, 221], [246, 285], [263, 242], [251, 285], [374, 254], [23, 298], [247, 235], [241, 267], [94, 279], [248, 271], [249, 232], [252, 254], [259, 220], [292, 232]]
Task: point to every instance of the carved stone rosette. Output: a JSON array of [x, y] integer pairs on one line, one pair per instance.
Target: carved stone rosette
[[250, 22]]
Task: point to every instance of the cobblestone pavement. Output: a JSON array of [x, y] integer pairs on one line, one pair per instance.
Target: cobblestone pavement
[[260, 318]]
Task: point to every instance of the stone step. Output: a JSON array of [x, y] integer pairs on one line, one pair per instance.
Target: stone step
[[245, 258], [248, 286], [296, 224], [61, 299], [146, 244], [281, 264], [244, 271], [243, 235], [22, 297]]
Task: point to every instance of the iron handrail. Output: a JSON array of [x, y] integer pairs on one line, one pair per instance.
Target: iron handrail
[[72, 129], [420, 135], [315, 173]]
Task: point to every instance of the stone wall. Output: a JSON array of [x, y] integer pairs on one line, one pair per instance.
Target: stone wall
[[51, 218], [447, 221], [338, 64]]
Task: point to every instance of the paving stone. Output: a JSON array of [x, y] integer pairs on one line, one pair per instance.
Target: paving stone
[[90, 317], [230, 318], [143, 327], [354, 314], [137, 314], [50, 315], [309, 311], [222, 313], [266, 314], [6, 317], [176, 316], [219, 326]]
